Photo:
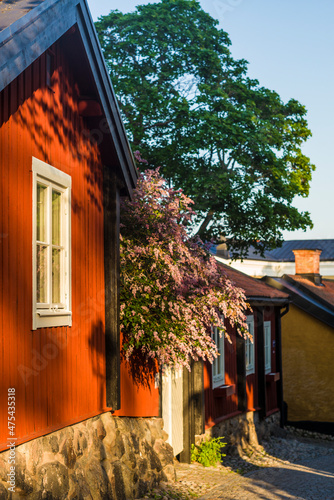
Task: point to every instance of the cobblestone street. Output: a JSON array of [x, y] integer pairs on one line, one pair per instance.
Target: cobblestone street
[[291, 467], [311, 480]]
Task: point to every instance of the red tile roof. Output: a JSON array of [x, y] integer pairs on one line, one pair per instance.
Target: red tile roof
[[253, 287]]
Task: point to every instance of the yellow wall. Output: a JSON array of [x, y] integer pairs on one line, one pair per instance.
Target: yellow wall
[[308, 367]]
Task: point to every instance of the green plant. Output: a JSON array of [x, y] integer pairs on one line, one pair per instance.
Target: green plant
[[208, 452], [231, 144]]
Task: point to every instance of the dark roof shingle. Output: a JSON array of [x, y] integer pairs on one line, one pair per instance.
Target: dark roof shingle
[[284, 253]]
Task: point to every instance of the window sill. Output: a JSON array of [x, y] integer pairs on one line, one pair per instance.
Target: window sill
[[49, 313], [224, 391], [47, 318], [273, 377]]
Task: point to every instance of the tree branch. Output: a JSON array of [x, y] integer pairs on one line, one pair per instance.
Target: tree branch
[[206, 222], [158, 124]]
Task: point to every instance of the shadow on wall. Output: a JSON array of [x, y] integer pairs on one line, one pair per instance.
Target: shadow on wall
[[49, 367], [141, 370]]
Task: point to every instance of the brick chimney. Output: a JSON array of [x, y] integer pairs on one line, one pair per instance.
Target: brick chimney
[[307, 263]]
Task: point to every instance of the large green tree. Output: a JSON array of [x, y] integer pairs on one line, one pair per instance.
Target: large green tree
[[189, 107]]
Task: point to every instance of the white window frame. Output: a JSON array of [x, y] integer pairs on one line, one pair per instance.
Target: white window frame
[[267, 346], [49, 314], [249, 347], [219, 362]]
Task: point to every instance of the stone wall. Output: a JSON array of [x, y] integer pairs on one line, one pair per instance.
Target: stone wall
[[244, 430], [104, 457]]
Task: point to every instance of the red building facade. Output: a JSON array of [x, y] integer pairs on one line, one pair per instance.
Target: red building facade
[[252, 371], [64, 163]]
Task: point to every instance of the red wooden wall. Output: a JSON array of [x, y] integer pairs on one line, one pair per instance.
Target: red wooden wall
[[251, 379], [58, 373], [218, 405], [139, 392]]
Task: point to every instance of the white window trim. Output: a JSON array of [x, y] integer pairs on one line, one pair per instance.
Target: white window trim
[[267, 361], [250, 368], [49, 317], [219, 379]]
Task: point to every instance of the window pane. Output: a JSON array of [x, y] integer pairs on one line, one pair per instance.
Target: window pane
[[41, 212], [56, 198], [56, 276], [41, 266], [267, 347]]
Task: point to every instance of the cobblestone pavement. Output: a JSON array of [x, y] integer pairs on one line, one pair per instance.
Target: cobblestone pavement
[[286, 468], [312, 480]]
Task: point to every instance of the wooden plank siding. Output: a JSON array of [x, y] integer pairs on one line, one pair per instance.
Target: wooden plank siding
[[252, 389], [58, 373], [139, 387], [251, 379], [218, 405]]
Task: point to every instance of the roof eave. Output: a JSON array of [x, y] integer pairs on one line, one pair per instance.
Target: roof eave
[[302, 303], [265, 301], [30, 36]]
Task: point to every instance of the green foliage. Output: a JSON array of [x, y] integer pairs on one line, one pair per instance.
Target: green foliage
[[208, 453], [233, 146], [172, 291]]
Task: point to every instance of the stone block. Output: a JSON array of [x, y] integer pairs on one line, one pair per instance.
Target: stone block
[[164, 451], [3, 492], [102, 458], [53, 481]]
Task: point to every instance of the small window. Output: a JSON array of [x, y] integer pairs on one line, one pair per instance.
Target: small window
[[267, 346], [250, 352], [51, 246], [218, 365]]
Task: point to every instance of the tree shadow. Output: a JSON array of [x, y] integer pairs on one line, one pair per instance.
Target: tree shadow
[[309, 480], [142, 371], [49, 368]]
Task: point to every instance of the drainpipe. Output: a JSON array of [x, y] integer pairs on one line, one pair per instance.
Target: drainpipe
[[279, 362]]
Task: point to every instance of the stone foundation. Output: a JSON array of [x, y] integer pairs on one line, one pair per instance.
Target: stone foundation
[[103, 457], [244, 430]]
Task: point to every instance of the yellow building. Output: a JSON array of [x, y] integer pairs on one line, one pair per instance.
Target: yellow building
[[308, 344]]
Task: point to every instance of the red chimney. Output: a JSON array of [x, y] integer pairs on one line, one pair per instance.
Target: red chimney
[[308, 264]]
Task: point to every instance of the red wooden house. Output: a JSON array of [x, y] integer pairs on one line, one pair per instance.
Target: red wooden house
[[247, 376], [64, 163]]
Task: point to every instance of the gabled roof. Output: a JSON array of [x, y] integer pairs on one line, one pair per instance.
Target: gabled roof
[[256, 291], [29, 27], [284, 253], [316, 300]]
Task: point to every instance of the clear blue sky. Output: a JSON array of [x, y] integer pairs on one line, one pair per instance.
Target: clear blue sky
[[289, 45]]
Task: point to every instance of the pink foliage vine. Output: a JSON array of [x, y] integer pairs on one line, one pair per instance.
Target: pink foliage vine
[[172, 291]]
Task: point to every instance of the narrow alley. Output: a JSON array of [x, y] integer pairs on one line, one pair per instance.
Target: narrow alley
[[290, 467]]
